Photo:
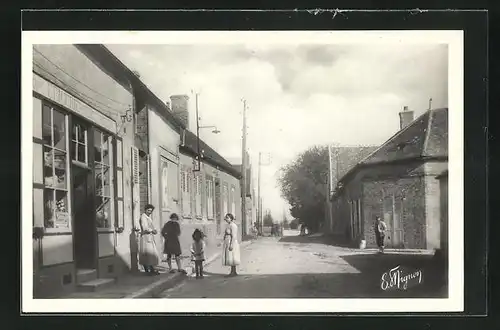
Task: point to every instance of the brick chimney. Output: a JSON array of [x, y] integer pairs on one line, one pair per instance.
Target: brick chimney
[[179, 107], [405, 117]]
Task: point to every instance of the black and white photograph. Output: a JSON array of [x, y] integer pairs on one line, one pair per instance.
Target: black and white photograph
[[307, 171]]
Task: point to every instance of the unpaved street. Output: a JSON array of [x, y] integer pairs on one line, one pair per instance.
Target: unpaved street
[[295, 267]]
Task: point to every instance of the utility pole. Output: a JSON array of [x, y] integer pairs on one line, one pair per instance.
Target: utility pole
[[260, 214], [244, 171], [259, 200]]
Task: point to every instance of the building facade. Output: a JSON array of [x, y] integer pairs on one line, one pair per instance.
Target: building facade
[[208, 191], [81, 200], [398, 183], [443, 193]]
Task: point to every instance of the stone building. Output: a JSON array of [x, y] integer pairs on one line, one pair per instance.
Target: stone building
[[398, 183]]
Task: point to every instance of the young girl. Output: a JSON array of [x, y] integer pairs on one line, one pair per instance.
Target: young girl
[[198, 252]]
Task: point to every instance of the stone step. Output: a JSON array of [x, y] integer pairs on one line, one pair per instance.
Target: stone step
[[95, 285], [85, 275]]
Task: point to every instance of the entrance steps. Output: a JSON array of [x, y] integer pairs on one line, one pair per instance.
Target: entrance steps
[[87, 281]]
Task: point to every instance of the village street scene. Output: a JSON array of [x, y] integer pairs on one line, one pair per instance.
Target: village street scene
[[240, 170]]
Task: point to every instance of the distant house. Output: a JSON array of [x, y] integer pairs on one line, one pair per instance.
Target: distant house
[[398, 183]]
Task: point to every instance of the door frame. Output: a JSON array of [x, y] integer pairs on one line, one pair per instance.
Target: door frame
[[90, 187]]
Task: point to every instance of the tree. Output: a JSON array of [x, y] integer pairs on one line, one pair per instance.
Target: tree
[[303, 184]]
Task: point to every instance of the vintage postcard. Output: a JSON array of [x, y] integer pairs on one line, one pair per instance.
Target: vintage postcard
[[242, 171]]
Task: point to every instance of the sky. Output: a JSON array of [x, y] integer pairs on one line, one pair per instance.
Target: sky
[[297, 95]]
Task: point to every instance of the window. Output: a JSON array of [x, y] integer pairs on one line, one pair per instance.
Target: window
[[233, 200], [55, 168], [210, 197], [103, 179], [186, 191], [225, 197], [79, 143], [164, 184]]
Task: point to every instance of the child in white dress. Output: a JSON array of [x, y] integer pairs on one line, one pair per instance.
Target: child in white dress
[[198, 252]]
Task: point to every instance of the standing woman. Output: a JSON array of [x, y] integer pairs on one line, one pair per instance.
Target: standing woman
[[148, 254], [231, 247]]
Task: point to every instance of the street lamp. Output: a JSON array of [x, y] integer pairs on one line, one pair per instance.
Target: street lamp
[[198, 127], [215, 130]]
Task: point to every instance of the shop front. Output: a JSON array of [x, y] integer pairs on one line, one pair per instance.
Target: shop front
[[78, 204]]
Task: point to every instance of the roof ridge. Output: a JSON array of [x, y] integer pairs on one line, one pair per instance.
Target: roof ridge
[[427, 133], [398, 133]]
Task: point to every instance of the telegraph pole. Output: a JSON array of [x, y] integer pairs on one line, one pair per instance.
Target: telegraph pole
[[244, 171], [259, 202]]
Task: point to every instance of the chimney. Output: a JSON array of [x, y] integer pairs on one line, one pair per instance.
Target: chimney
[[179, 107], [405, 117]]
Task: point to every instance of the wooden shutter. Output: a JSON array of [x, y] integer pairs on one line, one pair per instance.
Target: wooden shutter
[[119, 183], [135, 187], [150, 181]]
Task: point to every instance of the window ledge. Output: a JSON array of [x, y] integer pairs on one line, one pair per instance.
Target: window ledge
[[58, 231], [105, 230]]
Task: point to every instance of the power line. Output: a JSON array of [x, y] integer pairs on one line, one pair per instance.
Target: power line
[[61, 69]]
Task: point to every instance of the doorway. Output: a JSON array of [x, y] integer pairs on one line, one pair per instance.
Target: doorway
[[85, 233], [392, 217]]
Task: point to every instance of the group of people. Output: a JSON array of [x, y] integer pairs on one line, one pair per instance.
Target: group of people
[[148, 253]]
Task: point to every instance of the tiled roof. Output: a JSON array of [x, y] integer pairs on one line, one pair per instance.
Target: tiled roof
[[427, 136], [209, 155], [345, 158]]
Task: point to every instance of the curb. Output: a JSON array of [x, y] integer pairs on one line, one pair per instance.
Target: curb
[[157, 287], [170, 281]]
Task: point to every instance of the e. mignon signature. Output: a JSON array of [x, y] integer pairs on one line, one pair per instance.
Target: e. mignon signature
[[397, 279]]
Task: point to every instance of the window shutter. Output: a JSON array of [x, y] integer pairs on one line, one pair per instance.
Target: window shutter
[[119, 183], [135, 165], [135, 187]]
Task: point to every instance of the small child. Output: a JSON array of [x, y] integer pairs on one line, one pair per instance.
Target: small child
[[198, 252]]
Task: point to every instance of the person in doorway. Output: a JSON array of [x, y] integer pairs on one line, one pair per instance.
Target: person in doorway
[[198, 252], [380, 229], [148, 254], [231, 247], [172, 247]]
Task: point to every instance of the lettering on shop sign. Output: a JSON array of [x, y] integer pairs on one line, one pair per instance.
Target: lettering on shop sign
[[61, 97], [399, 279]]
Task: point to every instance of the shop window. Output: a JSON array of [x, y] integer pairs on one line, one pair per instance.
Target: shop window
[[103, 179], [55, 168]]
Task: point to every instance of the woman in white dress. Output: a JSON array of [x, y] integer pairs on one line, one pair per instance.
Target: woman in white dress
[[148, 254], [231, 247]]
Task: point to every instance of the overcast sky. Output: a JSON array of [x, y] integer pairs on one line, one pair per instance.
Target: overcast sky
[[297, 95]]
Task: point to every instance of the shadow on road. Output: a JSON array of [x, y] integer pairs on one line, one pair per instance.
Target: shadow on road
[[321, 285], [304, 239]]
